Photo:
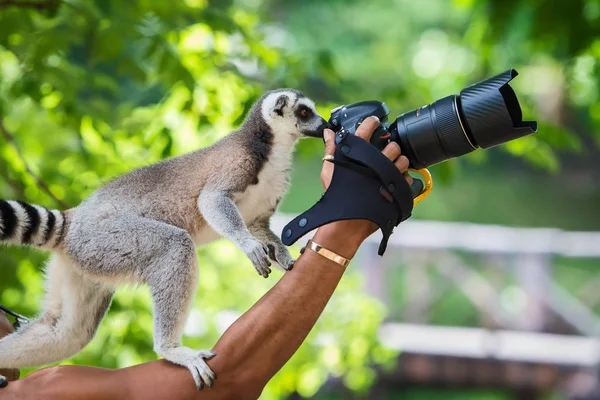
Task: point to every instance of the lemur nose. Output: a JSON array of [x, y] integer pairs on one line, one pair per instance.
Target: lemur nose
[[324, 125]]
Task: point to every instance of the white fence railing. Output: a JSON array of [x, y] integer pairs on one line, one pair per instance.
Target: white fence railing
[[483, 238]]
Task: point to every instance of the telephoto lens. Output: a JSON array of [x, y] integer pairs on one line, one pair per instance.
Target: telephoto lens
[[482, 115]]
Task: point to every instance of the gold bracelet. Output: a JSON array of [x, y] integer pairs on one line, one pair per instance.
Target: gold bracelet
[[336, 258]]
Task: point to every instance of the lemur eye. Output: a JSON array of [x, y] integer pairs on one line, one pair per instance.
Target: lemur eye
[[305, 112]]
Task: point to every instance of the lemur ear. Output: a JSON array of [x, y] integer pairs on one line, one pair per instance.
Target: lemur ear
[[281, 104]]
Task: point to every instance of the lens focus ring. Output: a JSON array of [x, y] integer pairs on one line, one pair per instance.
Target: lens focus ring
[[449, 129]]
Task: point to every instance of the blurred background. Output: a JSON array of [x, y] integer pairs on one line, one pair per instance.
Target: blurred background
[[490, 291]]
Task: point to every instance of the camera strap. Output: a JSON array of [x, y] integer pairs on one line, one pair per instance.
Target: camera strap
[[365, 185]]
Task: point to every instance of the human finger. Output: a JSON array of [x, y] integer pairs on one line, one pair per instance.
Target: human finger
[[402, 164], [392, 151], [327, 168], [367, 127]]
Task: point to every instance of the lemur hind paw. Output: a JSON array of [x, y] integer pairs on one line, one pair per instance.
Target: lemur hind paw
[[193, 360]]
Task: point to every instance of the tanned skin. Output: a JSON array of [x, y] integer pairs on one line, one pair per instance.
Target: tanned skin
[[5, 329], [252, 350]]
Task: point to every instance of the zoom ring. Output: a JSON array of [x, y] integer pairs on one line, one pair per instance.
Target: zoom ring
[[448, 128]]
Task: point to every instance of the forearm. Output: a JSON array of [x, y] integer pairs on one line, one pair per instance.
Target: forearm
[[223, 216], [5, 329], [69, 383], [259, 343]]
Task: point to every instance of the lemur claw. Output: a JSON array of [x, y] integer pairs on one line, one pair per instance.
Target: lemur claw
[[290, 266]]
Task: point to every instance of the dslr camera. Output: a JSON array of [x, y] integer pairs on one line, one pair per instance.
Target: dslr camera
[[483, 115]]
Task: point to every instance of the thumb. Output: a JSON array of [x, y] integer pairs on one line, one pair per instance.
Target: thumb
[[329, 141], [327, 170]]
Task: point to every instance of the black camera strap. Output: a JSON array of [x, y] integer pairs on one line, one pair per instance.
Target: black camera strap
[[365, 185]]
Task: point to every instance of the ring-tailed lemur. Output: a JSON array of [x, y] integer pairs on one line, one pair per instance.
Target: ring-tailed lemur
[[143, 228]]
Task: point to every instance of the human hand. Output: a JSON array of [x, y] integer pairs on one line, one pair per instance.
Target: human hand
[[6, 328], [344, 237], [364, 131], [5, 325]]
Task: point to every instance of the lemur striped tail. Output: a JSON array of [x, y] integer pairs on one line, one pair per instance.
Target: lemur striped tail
[[26, 224]]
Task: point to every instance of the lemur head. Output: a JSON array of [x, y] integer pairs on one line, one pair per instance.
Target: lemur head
[[291, 115]]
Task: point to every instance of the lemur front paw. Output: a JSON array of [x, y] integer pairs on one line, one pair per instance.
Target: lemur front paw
[[193, 360], [257, 252], [280, 256]]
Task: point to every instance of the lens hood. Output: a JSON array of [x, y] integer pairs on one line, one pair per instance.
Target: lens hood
[[492, 111]]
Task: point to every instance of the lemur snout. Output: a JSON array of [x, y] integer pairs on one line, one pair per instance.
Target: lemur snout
[[319, 132]]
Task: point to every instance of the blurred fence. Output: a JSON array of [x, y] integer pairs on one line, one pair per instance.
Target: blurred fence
[[548, 340]]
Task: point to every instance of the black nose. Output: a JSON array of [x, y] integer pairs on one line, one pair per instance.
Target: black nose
[[318, 133], [324, 125], [321, 129]]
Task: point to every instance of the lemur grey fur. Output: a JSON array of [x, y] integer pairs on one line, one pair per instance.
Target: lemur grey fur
[[143, 227]]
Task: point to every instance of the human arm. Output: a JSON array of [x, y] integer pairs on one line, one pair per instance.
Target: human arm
[[251, 351], [6, 328]]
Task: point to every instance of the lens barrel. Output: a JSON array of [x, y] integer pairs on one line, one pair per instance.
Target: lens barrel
[[433, 133], [483, 115]]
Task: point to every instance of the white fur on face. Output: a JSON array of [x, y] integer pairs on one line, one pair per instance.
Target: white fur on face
[[287, 127]]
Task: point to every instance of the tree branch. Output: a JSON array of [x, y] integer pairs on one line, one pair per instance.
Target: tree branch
[[15, 185], [10, 138], [38, 5]]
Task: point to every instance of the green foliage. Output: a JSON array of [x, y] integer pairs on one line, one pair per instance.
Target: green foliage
[[411, 53], [92, 89]]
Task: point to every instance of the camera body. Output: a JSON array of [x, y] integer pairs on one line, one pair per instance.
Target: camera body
[[483, 115], [347, 119]]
